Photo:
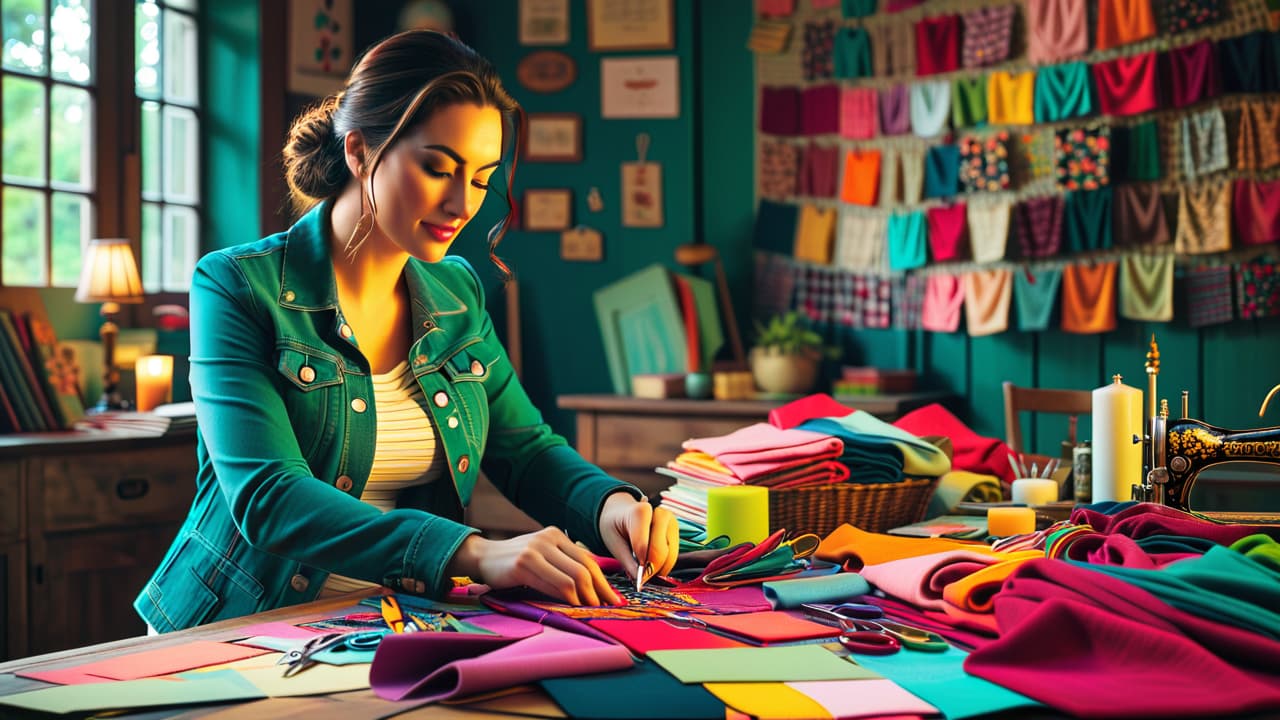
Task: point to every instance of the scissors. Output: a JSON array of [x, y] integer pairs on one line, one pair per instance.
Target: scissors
[[396, 618], [301, 658], [859, 623]]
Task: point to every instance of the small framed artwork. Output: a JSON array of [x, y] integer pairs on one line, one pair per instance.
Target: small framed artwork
[[548, 209], [320, 45], [553, 137], [640, 87], [641, 194], [544, 22], [630, 25]]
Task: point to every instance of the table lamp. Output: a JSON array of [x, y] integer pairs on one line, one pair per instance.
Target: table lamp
[[109, 276]]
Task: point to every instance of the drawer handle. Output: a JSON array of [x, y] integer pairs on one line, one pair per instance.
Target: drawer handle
[[132, 488]]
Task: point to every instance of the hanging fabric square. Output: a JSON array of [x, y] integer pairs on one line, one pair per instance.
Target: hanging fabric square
[[814, 234], [774, 284], [1121, 22], [930, 107], [819, 168], [912, 159], [769, 37], [816, 57], [1208, 295], [878, 303], [984, 162], [1204, 219], [987, 35], [852, 53], [858, 113], [1086, 220], [969, 101], [816, 293], [1036, 294], [896, 6], [776, 8], [860, 244], [893, 49], [895, 110], [1138, 215], [820, 110], [1034, 155], [1082, 157], [1204, 143], [908, 301], [850, 8], [1192, 72], [1246, 65], [1127, 85], [780, 110], [1056, 30], [1011, 98], [779, 165], [943, 300], [1179, 16], [1258, 288], [847, 307], [1038, 225], [1258, 135], [1137, 147], [1146, 287], [908, 239], [989, 229], [941, 171], [986, 301], [1256, 207], [1089, 298], [937, 44], [861, 177], [1063, 92], [890, 177], [948, 239], [775, 227]]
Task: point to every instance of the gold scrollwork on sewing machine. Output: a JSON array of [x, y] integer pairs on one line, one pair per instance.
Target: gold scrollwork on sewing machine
[[1195, 443], [1252, 448]]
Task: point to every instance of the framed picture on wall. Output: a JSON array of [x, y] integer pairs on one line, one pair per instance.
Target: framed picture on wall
[[321, 47], [630, 25], [640, 87], [544, 22], [548, 209], [553, 137]]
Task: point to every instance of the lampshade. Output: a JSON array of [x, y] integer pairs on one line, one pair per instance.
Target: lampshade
[[110, 273]]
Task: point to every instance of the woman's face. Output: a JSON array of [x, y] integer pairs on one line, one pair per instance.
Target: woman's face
[[432, 181]]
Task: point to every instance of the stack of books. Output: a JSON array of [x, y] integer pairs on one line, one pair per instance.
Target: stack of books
[[39, 387], [165, 419]]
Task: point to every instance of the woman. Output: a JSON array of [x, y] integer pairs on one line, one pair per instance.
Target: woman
[[349, 386]]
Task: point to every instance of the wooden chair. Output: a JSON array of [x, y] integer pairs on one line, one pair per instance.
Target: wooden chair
[[1018, 400]]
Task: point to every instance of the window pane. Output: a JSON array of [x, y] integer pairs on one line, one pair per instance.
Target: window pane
[[72, 50], [180, 155], [72, 226], [24, 237], [151, 150], [181, 240], [146, 21], [24, 129], [72, 137], [151, 247], [191, 5], [180, 60], [24, 35]]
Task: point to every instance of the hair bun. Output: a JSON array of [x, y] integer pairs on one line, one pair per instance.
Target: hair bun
[[314, 165]]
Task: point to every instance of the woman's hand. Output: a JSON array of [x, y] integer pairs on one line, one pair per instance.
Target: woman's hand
[[544, 560], [633, 530]]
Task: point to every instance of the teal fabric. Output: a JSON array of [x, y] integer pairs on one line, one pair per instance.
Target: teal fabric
[[1064, 91], [969, 102], [851, 53], [908, 235], [942, 171], [835, 588], [1086, 220], [775, 230], [1035, 294], [857, 8], [940, 680], [269, 523]]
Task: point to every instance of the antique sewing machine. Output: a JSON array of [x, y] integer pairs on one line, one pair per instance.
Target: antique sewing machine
[[1177, 450]]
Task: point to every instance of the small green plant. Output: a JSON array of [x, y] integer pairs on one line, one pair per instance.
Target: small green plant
[[787, 335]]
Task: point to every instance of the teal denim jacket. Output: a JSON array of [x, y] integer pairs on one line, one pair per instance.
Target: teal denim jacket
[[284, 401]]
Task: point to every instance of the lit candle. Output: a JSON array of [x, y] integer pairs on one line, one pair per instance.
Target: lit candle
[[154, 378]]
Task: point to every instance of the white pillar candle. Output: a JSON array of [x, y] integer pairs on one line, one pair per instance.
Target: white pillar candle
[[1117, 459]]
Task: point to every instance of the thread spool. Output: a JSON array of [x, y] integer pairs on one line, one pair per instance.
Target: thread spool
[[1035, 491], [1006, 521], [1117, 459], [738, 511]]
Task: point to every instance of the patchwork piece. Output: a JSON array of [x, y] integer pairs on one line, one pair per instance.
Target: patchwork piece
[[989, 229], [1011, 98], [1063, 91], [908, 301], [908, 240], [779, 165], [1258, 135], [1204, 219], [851, 52], [1038, 225], [986, 301], [1192, 72], [987, 36], [1056, 30], [1256, 210], [943, 299], [937, 44], [1083, 157], [1089, 298], [1138, 215], [984, 162], [858, 113], [1258, 288], [1086, 220], [816, 59], [1204, 143], [862, 301], [1146, 287], [1121, 22], [1037, 294], [1127, 85], [1208, 296]]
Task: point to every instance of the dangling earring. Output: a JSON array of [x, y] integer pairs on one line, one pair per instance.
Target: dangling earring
[[364, 226]]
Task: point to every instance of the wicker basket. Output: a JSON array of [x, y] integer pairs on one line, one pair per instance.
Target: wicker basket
[[874, 507]]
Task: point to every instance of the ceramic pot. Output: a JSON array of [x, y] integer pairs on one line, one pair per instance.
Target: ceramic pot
[[776, 372]]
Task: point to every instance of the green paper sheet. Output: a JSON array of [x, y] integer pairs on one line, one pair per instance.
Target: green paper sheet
[[211, 687], [781, 663], [644, 692], [940, 680]]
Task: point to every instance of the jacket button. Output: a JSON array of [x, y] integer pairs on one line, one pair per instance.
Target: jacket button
[[453, 422], [345, 330], [344, 483], [420, 360], [477, 367], [441, 398], [299, 583], [464, 462], [359, 405], [289, 295], [307, 374]]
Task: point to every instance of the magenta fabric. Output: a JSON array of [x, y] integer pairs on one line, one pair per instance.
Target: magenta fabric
[[1127, 85], [438, 666], [1141, 520], [809, 407], [820, 110], [780, 110], [747, 449], [971, 451], [948, 232], [1099, 549], [937, 44], [1192, 73], [1256, 211], [1103, 647], [775, 474], [943, 300]]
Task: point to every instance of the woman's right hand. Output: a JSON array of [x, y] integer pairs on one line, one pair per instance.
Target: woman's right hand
[[545, 560]]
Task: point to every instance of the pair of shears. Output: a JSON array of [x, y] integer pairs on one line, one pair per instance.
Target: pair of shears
[[866, 631], [301, 658], [402, 621]]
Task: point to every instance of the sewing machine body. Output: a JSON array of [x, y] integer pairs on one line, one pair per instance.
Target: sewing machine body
[[1181, 448]]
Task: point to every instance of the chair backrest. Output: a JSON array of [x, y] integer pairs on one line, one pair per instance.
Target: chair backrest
[[1017, 400]]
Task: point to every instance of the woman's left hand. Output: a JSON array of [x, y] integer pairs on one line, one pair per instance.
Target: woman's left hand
[[633, 530]]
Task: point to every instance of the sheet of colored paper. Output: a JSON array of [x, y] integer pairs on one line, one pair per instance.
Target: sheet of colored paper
[[10, 684], [768, 701], [780, 663], [149, 692], [863, 698], [63, 676], [643, 636], [643, 692], [318, 679], [772, 627], [940, 679], [168, 660], [278, 630]]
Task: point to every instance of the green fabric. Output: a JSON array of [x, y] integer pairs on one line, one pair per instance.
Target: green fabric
[[644, 691], [1063, 91], [919, 457], [275, 385], [857, 8], [1259, 548], [1035, 293], [1140, 152], [969, 102], [851, 53], [1086, 220]]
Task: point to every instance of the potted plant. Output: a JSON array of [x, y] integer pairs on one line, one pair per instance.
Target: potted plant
[[787, 355]]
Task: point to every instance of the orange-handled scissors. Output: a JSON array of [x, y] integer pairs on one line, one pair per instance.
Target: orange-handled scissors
[[395, 617]]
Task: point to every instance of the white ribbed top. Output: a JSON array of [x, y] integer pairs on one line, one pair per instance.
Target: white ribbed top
[[404, 456]]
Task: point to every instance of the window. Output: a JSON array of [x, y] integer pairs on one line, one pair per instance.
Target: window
[[86, 152]]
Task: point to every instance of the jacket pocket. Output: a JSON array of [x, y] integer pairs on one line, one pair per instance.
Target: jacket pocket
[[469, 371], [312, 391], [199, 584]]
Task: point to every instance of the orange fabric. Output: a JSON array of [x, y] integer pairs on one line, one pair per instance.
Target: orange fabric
[[974, 592], [1123, 21], [861, 177], [855, 548], [1089, 298], [1011, 98]]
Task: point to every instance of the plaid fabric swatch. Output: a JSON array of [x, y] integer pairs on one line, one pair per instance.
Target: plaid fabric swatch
[[816, 290], [1178, 16], [819, 167], [775, 281], [816, 58], [779, 164], [987, 32], [1258, 288], [1083, 157], [858, 112], [877, 302], [1208, 296], [860, 241], [1038, 224], [1204, 143], [908, 301], [1035, 294], [895, 110], [1258, 135], [863, 301], [984, 162], [851, 53]]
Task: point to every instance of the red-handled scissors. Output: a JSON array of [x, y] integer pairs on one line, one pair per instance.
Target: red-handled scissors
[[858, 638]]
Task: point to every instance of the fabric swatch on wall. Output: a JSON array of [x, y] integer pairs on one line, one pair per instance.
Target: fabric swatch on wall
[[930, 107], [816, 58], [989, 229], [1256, 209], [1036, 294], [1038, 224], [861, 243], [1138, 215], [814, 234], [775, 227], [815, 294], [1258, 288], [820, 109], [1248, 63], [779, 165], [913, 160], [1121, 22], [893, 49], [1208, 295], [988, 33], [1086, 220], [1178, 16], [937, 44], [1137, 151], [1089, 298], [943, 300], [984, 162], [1146, 287], [1204, 143], [969, 101], [769, 37], [895, 6], [1063, 92], [890, 177], [1127, 85], [776, 8], [858, 113], [1082, 157], [941, 171], [895, 110], [986, 301], [908, 301], [819, 168], [1204, 219], [908, 239], [774, 284], [850, 8], [1056, 30], [1011, 98], [1192, 73], [864, 301], [852, 53], [948, 239], [780, 110], [1258, 135], [861, 177], [1034, 155]]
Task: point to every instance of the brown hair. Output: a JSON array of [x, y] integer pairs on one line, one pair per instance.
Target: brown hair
[[395, 85]]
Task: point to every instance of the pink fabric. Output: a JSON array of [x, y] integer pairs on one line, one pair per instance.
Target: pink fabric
[[943, 300], [859, 110], [919, 580], [972, 451], [1056, 30], [772, 474], [807, 408], [777, 8], [749, 448]]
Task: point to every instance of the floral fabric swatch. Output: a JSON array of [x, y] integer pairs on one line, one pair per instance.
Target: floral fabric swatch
[[1083, 157], [984, 162]]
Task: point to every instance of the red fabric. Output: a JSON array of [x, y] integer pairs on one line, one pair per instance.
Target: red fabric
[[947, 232], [971, 451], [1192, 73], [1256, 209], [1127, 85], [807, 408], [1142, 520], [938, 45]]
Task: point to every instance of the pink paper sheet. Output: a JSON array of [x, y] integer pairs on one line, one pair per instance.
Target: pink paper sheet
[[279, 630], [863, 698], [150, 663]]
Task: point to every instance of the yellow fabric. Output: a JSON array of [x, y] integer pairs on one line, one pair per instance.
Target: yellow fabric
[[767, 701], [702, 460], [974, 591], [1011, 98], [1204, 219], [960, 486], [814, 234], [1146, 287], [855, 548]]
